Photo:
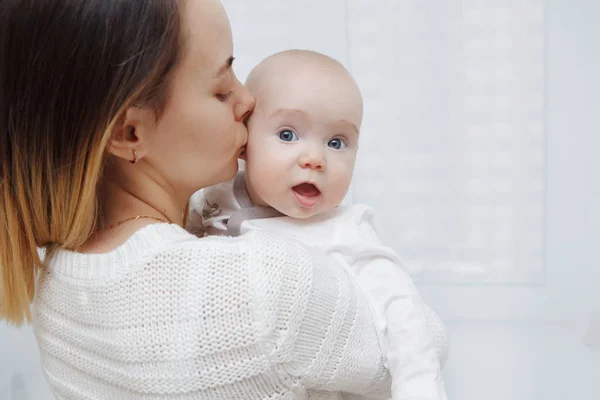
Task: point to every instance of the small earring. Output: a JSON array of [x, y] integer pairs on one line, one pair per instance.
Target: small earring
[[135, 157]]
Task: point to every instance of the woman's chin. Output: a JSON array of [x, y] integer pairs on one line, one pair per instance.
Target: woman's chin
[[226, 173], [232, 170], [242, 154]]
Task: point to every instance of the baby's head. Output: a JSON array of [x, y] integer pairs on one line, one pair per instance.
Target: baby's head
[[303, 133]]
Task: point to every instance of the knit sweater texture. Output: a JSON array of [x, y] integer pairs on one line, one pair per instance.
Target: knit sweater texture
[[168, 315]]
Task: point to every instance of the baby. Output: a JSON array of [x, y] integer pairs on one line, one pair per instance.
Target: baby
[[302, 146]]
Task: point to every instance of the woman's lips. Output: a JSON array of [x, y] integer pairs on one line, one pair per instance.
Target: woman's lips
[[308, 194]]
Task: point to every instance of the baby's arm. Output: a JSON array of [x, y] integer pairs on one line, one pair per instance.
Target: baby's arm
[[408, 342]]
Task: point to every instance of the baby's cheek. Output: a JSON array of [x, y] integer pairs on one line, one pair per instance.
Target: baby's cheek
[[266, 181], [338, 191]]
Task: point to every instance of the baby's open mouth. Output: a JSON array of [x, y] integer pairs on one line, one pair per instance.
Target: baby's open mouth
[[307, 194]]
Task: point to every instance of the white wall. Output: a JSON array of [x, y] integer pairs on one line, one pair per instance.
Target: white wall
[[480, 146]]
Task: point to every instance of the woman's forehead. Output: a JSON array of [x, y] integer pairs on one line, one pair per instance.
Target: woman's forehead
[[207, 35]]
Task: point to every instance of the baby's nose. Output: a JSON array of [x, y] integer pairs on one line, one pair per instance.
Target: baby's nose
[[313, 161]]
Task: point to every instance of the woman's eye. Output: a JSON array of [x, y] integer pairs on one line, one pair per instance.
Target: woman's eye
[[337, 144], [224, 97], [288, 136]]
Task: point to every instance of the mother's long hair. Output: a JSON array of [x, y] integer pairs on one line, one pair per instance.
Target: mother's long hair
[[68, 71]]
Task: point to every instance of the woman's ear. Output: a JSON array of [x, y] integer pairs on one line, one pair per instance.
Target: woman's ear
[[130, 136]]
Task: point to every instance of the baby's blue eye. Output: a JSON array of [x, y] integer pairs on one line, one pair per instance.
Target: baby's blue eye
[[337, 144], [288, 136]]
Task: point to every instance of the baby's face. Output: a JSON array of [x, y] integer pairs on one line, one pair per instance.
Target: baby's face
[[303, 140]]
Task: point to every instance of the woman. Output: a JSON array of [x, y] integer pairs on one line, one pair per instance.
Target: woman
[[112, 113]]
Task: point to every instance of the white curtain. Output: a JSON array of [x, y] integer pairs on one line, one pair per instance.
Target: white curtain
[[453, 141]]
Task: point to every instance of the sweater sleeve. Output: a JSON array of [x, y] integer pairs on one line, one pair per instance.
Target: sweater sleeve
[[315, 324]]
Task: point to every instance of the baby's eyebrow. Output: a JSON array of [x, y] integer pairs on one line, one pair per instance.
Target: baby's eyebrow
[[286, 111], [351, 124], [305, 115]]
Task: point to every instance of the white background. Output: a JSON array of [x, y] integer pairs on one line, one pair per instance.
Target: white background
[[479, 152]]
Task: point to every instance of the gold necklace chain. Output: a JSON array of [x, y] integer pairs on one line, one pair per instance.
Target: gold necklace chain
[[132, 219]]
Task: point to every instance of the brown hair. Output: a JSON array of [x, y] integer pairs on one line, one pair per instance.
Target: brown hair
[[68, 71]]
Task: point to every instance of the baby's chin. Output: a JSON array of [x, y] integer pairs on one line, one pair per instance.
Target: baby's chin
[[301, 213]]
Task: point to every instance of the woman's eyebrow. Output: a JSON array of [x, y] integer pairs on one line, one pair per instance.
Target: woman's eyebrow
[[225, 67]]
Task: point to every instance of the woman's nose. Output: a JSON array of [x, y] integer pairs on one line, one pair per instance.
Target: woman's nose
[[245, 105]]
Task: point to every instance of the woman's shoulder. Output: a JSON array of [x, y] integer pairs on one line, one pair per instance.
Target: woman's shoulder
[[254, 246], [253, 290], [247, 265], [257, 259]]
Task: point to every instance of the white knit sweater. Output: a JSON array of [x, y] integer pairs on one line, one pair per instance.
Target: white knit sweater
[[171, 316]]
